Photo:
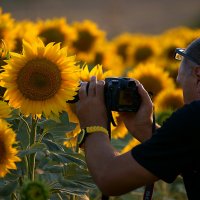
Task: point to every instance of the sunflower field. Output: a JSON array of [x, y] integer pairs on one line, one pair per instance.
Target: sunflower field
[[42, 63]]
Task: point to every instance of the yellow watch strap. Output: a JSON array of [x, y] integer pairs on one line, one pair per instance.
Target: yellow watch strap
[[92, 129]]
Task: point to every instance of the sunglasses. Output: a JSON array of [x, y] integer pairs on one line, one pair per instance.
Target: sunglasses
[[180, 53]]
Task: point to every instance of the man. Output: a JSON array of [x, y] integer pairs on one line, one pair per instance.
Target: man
[[171, 151]]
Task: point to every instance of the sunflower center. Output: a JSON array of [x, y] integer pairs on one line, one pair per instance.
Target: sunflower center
[[143, 53], [2, 151], [172, 102], [18, 45], [151, 84], [170, 53], [52, 35], [85, 41], [98, 58], [121, 51], [39, 79]]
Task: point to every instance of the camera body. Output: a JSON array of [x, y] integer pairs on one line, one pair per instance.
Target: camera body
[[121, 95]]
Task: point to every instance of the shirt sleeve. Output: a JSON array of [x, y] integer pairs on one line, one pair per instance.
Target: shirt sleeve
[[172, 148]]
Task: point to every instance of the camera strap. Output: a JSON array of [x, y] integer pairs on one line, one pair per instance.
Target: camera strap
[[148, 192], [110, 119]]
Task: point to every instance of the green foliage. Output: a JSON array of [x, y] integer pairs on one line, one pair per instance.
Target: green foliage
[[45, 158]]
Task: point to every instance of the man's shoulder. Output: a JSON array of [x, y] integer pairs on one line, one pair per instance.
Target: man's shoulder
[[188, 110]]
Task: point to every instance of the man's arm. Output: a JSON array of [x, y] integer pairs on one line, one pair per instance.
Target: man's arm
[[114, 174]]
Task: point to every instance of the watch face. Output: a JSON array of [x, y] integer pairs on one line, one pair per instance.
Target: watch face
[[81, 137]]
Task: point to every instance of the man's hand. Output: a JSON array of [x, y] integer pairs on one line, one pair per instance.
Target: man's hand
[[91, 109], [140, 123]]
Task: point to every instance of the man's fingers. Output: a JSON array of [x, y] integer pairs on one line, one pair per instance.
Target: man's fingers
[[92, 86], [100, 89], [83, 90], [144, 94]]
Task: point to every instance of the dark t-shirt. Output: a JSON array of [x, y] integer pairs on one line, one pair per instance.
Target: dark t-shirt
[[174, 149]]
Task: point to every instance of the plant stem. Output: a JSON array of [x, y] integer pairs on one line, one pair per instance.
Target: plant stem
[[59, 196], [42, 135], [25, 122], [72, 197], [13, 196], [33, 141]]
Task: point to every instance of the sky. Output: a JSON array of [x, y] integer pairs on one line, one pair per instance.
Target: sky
[[113, 16]]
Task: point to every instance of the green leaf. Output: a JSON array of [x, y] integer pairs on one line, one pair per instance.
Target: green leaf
[[69, 191], [58, 130], [8, 188], [64, 117], [72, 187], [38, 147], [77, 173], [52, 146], [22, 133], [74, 158], [65, 158], [54, 169], [57, 158], [43, 161], [120, 143], [12, 176]]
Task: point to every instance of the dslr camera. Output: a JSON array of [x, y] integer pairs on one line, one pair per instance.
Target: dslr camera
[[121, 95]]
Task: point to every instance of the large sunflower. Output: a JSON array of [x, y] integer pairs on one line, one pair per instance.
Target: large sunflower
[[8, 153], [40, 80]]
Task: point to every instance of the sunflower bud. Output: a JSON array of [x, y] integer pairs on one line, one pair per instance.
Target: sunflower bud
[[35, 190]]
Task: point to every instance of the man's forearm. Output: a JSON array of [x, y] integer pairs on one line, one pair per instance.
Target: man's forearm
[[99, 153], [114, 174]]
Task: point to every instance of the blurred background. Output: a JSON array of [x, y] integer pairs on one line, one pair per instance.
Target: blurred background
[[113, 16]]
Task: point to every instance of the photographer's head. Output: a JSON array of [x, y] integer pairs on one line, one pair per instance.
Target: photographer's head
[[189, 71]]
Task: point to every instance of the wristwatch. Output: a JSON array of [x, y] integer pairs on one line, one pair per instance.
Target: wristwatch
[[88, 130]]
